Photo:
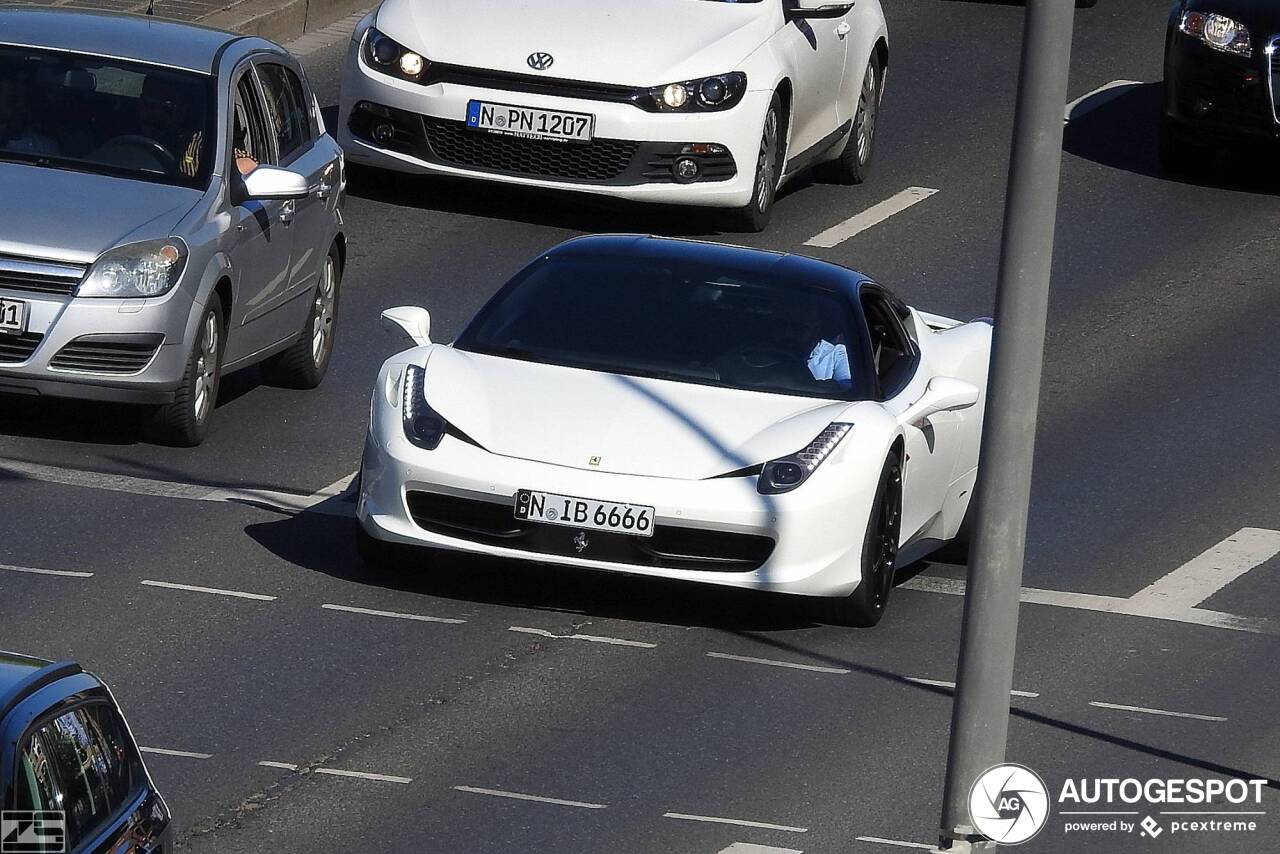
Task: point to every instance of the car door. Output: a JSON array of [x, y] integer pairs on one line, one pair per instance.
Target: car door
[[263, 244], [932, 443], [302, 150], [816, 49], [79, 770]]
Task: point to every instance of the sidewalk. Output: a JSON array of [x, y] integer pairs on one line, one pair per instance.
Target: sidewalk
[[280, 20]]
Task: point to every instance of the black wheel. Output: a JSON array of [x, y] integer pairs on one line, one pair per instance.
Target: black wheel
[[755, 216], [854, 164], [185, 422], [305, 363], [1178, 154], [865, 605]]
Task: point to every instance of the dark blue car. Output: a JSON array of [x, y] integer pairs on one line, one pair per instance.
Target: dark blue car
[[71, 777]]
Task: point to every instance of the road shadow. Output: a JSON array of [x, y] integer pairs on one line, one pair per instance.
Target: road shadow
[[1123, 132]]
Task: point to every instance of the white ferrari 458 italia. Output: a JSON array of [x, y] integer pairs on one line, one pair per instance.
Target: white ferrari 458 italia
[[694, 102], [683, 410]]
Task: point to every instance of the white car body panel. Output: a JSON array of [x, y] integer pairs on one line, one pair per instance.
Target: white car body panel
[[820, 62]]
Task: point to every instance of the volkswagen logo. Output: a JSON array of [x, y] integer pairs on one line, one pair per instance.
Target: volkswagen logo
[[541, 61]]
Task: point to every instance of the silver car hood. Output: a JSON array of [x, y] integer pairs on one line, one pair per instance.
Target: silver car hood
[[76, 216]]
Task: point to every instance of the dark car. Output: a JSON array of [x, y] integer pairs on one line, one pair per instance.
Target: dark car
[[71, 777], [1220, 63]]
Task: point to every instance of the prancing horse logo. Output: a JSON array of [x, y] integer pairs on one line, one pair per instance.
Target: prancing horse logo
[[580, 542], [541, 61]]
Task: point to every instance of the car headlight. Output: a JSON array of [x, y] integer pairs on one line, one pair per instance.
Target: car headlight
[[786, 474], [1218, 32], [385, 54], [706, 94], [423, 426], [146, 269]]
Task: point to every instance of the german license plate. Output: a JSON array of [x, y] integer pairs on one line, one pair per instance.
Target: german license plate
[[13, 316], [530, 123], [586, 513]]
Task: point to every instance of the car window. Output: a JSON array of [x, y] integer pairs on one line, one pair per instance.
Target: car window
[[287, 109], [83, 763], [249, 130], [891, 350]]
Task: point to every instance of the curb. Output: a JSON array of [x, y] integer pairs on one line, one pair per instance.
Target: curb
[[283, 20]]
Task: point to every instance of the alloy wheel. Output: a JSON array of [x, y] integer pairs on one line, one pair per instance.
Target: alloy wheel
[[326, 303], [886, 546], [868, 108], [206, 380], [767, 166]]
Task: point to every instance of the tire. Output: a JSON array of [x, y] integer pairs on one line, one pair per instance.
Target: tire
[[305, 363], [1178, 155], [184, 423], [754, 218], [853, 166], [866, 604]]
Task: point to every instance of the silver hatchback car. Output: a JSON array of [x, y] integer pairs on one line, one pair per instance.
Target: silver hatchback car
[[170, 210]]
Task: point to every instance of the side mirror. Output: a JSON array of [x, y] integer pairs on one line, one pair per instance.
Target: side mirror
[[818, 9], [944, 394], [271, 182], [410, 319]]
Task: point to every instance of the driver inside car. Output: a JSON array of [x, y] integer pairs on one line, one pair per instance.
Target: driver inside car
[[16, 117], [802, 333], [163, 117]]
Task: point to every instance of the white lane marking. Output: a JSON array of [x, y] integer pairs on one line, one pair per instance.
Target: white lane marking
[[190, 588], [1146, 711], [58, 572], [160, 751], [751, 848], [1212, 812], [1204, 575], [286, 766], [872, 216], [1096, 98], [938, 683], [735, 821], [364, 775], [772, 663], [896, 842], [475, 790], [543, 633], [285, 502], [1108, 605], [392, 614], [317, 39]]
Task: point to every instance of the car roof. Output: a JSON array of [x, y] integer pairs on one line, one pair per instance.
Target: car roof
[[22, 675], [133, 37], [740, 259]]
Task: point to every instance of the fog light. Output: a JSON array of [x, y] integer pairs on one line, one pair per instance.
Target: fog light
[[686, 169], [383, 132]]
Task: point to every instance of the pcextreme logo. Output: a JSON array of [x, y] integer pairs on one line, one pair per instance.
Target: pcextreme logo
[[1009, 804]]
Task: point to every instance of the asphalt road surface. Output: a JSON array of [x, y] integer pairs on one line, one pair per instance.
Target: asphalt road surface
[[490, 707]]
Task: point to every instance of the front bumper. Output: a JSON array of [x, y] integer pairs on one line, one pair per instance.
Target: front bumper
[[815, 532], [1220, 95], [630, 157]]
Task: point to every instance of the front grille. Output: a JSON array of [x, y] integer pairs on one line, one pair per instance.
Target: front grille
[[1273, 76], [670, 547], [598, 160], [18, 348], [39, 277], [715, 167], [107, 354]]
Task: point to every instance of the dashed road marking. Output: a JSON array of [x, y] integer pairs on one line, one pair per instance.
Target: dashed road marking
[[751, 848], [938, 683], [284, 766], [872, 216], [543, 633], [364, 775], [1092, 100], [878, 840], [392, 614], [518, 796], [737, 822], [1162, 712], [61, 573], [190, 588], [161, 751], [1204, 575], [771, 663]]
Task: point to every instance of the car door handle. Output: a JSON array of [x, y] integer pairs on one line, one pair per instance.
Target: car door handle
[[322, 191], [843, 30], [286, 212]]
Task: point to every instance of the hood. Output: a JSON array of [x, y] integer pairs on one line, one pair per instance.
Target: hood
[[75, 216], [1262, 17], [634, 425], [602, 41]]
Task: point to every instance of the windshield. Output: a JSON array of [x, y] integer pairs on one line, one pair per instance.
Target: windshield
[[675, 320], [107, 116]]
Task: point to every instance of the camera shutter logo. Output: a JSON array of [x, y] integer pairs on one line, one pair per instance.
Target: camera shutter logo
[[26, 832], [1009, 804]]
